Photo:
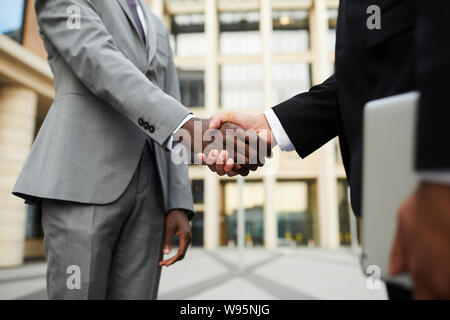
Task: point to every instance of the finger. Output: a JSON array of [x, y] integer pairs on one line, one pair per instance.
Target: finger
[[397, 262], [263, 138], [185, 240], [221, 162], [232, 169], [212, 158], [218, 119], [229, 168], [244, 172], [168, 240], [238, 149], [215, 122], [204, 161], [248, 159], [201, 157], [248, 141], [252, 167], [264, 150], [243, 147], [258, 149]]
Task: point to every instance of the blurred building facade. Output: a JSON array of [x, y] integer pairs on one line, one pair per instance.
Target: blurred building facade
[[26, 93], [231, 54], [250, 55]]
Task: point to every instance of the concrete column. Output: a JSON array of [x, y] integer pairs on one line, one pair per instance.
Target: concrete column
[[270, 213], [212, 203], [18, 109], [327, 181], [157, 7]]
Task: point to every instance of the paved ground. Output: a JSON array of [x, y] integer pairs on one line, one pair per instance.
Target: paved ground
[[281, 274]]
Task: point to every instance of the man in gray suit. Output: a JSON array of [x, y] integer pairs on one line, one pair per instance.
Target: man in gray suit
[[100, 166]]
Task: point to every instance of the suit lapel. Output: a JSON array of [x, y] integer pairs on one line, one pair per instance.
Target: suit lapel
[[151, 33], [126, 8]]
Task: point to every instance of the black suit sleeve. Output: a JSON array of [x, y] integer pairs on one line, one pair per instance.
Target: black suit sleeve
[[433, 72], [311, 119]]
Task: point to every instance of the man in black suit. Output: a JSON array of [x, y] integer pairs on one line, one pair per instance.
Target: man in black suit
[[408, 50]]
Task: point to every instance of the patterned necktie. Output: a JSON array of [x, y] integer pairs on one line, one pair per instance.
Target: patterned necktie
[[133, 7]]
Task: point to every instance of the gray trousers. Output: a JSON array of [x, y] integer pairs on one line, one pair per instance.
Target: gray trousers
[[107, 251]]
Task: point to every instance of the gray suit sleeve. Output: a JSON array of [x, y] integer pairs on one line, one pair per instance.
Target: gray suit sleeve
[[93, 56], [180, 191]]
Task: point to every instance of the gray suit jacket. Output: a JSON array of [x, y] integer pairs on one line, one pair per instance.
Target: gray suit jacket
[[112, 97]]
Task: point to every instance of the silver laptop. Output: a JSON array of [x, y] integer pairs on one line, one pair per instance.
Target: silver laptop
[[388, 177]]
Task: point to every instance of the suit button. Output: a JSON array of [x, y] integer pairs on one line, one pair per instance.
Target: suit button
[[146, 126], [141, 122], [151, 129]]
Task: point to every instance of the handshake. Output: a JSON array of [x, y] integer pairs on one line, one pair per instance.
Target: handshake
[[230, 143]]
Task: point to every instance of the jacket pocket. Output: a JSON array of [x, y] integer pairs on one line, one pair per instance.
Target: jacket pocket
[[163, 48]]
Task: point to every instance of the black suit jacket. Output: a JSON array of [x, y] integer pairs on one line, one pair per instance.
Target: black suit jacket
[[411, 51]]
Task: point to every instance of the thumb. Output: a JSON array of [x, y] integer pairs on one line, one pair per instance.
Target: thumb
[[218, 119], [398, 262], [168, 241]]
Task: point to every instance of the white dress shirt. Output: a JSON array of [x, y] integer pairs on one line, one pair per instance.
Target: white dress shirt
[[141, 15], [282, 139]]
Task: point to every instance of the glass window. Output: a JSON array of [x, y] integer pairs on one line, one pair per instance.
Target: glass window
[[331, 40], [345, 235], [240, 43], [332, 18], [188, 35], [290, 41], [188, 23], [34, 225], [197, 226], [253, 204], [198, 191], [192, 87], [290, 79], [197, 223], [239, 21], [339, 160], [241, 86], [191, 44], [290, 31], [297, 218], [332, 22], [11, 18], [239, 33]]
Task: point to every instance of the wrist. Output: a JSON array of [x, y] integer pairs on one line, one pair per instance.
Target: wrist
[[264, 130], [189, 125], [178, 212], [195, 129]]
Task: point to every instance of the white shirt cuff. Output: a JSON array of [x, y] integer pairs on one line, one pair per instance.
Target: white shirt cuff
[[439, 177], [170, 143], [280, 135]]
